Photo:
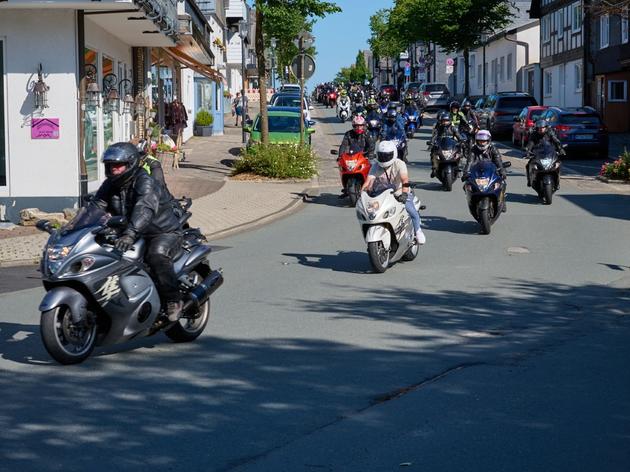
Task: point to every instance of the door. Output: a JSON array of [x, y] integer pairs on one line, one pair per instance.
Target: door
[[3, 147]]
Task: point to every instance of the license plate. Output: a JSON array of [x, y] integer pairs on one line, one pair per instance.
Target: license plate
[[583, 136]]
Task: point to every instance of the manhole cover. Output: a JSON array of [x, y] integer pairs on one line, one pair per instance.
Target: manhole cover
[[516, 250]]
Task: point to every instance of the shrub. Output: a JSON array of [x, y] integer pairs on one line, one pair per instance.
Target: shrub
[[281, 161], [619, 169], [204, 118]]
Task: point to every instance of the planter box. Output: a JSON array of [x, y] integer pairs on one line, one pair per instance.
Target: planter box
[[203, 130], [167, 160]]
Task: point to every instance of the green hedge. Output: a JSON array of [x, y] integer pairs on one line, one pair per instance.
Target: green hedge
[[280, 161]]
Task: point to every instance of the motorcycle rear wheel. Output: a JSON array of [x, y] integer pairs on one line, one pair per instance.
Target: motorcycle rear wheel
[[187, 329], [65, 342], [379, 256]]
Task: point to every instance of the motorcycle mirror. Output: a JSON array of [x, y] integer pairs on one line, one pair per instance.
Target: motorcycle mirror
[[507, 164], [423, 207], [117, 222], [334, 152], [428, 143], [565, 146], [44, 225]]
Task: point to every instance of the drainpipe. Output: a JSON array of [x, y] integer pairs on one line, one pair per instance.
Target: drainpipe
[[519, 43]]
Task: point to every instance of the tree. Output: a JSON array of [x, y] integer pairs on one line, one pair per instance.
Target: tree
[[386, 40], [453, 24], [360, 69], [282, 20]]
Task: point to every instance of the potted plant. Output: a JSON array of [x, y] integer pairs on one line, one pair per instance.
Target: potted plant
[[203, 123], [166, 155]]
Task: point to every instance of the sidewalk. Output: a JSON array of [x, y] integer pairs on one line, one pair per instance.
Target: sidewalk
[[221, 207]]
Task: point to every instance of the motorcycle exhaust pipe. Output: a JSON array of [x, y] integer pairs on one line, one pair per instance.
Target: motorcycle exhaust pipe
[[200, 294]]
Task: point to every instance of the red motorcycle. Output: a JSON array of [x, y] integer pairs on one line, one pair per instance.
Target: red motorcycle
[[332, 99], [353, 170]]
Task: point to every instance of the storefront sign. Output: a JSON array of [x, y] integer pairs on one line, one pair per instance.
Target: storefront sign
[[45, 128]]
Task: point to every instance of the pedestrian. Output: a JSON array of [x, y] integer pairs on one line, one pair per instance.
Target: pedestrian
[[239, 106]]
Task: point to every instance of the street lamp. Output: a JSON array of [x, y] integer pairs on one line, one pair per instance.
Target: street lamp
[[40, 90], [274, 43], [242, 32], [92, 91]]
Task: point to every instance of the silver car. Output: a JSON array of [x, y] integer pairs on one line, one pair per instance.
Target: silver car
[[434, 95]]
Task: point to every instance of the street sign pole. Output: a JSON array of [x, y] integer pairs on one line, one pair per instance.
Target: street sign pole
[[301, 74]]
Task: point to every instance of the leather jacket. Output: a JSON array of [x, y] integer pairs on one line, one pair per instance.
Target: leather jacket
[[353, 142], [439, 131], [535, 138], [489, 154], [146, 204]]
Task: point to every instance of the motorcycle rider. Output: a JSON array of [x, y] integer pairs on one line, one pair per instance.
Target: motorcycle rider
[[443, 128], [484, 150], [458, 119], [357, 140], [129, 191], [392, 127], [410, 107], [392, 172], [470, 115], [540, 133]]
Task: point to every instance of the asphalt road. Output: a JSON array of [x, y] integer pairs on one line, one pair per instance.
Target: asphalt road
[[505, 352]]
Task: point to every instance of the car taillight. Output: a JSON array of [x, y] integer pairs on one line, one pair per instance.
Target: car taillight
[[563, 128], [529, 123], [426, 94]]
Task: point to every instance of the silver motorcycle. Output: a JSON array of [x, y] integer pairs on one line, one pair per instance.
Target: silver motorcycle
[[98, 296]]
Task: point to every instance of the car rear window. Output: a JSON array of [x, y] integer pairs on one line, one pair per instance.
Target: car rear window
[[580, 119], [516, 102], [435, 88], [536, 114], [281, 124]]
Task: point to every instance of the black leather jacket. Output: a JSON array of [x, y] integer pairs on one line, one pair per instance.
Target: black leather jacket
[[145, 203], [490, 154], [535, 138], [353, 142], [451, 131]]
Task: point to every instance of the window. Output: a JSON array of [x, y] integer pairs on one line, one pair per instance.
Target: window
[[471, 64], [577, 70], [3, 159], [546, 34], [502, 68], [479, 76], [509, 66], [576, 17], [603, 31], [624, 26], [485, 74], [548, 83], [560, 22], [617, 90]]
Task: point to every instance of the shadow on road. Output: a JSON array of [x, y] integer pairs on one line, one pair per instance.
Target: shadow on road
[[526, 198], [328, 199], [353, 262], [439, 223], [603, 204]]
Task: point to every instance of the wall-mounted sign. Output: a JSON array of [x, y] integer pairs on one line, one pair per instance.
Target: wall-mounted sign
[[45, 128], [449, 69]]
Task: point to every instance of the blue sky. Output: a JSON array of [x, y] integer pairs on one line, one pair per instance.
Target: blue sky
[[339, 37]]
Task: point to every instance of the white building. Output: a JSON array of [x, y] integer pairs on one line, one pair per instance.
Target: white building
[[92, 56]]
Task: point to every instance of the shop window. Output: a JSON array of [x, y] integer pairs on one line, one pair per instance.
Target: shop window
[[3, 161], [617, 90], [90, 123], [603, 31]]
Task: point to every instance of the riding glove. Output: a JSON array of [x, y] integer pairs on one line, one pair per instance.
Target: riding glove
[[124, 243], [402, 198]]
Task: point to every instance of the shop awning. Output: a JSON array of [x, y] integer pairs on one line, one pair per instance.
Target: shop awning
[[198, 67]]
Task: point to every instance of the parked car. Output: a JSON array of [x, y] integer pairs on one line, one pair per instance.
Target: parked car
[[581, 129], [500, 109], [284, 127], [434, 95], [290, 100], [524, 123], [391, 90], [293, 88]]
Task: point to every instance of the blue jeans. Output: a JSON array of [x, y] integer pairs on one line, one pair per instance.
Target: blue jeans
[[413, 212]]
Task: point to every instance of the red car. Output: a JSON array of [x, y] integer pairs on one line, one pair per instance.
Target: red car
[[524, 122]]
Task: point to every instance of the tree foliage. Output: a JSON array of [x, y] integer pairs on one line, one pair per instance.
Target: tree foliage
[[357, 72], [385, 39]]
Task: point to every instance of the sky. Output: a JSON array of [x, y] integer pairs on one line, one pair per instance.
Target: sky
[[339, 37]]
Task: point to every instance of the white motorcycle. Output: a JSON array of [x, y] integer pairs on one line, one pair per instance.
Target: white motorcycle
[[387, 228], [343, 109]]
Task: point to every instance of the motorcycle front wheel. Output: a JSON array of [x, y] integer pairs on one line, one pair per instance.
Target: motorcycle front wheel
[[353, 190], [189, 329], [547, 193], [485, 220], [447, 181], [66, 342], [379, 256]]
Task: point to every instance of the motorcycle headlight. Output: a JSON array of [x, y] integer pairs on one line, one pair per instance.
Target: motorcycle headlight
[[546, 163], [351, 165], [390, 212], [482, 182], [373, 123], [447, 154], [56, 256], [84, 264]]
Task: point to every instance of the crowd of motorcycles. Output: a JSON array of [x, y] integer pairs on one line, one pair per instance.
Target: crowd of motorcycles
[[385, 223]]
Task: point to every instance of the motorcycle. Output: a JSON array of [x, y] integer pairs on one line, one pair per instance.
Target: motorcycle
[[485, 193], [401, 146], [545, 169], [343, 109], [387, 228], [353, 170], [411, 122], [447, 153], [374, 125], [332, 99], [98, 296]]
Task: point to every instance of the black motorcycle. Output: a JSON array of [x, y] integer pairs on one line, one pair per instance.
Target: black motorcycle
[[485, 193], [374, 124], [99, 296], [545, 171], [447, 152]]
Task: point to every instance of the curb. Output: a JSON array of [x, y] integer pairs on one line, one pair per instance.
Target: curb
[[606, 180]]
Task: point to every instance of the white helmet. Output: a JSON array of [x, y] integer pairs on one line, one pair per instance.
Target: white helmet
[[386, 153], [482, 139]]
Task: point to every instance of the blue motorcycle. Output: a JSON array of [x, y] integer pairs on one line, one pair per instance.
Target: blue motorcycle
[[412, 121], [374, 125], [485, 193]]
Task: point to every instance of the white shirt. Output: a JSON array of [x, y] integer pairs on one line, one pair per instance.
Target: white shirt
[[390, 177]]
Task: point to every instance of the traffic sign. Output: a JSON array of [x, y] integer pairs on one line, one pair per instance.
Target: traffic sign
[[450, 61], [449, 69], [309, 66], [407, 70]]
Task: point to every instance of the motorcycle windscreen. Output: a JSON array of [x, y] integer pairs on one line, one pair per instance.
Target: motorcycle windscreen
[[448, 143]]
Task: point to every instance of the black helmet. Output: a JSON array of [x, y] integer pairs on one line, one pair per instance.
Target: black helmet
[[391, 115], [121, 153], [444, 118], [454, 104], [541, 124], [466, 105]]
